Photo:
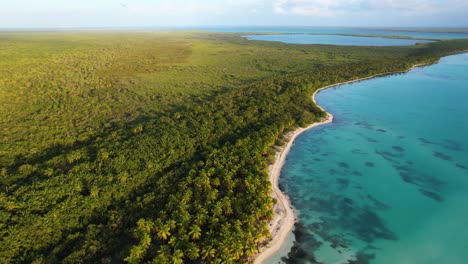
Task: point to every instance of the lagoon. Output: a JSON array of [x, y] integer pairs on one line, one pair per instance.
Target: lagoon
[[437, 33], [387, 181], [336, 40]]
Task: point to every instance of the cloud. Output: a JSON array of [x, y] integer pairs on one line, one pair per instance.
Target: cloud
[[279, 7], [330, 8]]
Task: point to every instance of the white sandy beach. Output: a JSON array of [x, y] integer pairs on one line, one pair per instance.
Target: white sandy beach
[[284, 216]]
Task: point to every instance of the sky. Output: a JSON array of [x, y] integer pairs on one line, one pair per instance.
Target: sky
[[193, 13]]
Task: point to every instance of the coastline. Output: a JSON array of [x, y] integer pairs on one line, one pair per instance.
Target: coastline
[[284, 215]]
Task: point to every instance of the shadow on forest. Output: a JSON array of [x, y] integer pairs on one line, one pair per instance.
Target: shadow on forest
[[91, 145]]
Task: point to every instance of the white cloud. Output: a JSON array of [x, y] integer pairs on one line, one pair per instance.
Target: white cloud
[[279, 7]]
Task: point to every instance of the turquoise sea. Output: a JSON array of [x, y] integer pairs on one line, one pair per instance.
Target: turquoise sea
[[387, 181]]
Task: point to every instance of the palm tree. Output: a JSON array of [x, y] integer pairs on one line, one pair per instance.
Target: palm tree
[[164, 255], [192, 251], [195, 232], [145, 240], [251, 249], [237, 250], [164, 232], [136, 254], [208, 253], [227, 260], [145, 225], [201, 216], [178, 257]]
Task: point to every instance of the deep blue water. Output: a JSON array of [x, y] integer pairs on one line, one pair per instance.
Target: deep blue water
[[336, 40], [341, 30], [387, 181]]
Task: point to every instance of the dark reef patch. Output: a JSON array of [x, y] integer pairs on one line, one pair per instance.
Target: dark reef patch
[[378, 205], [398, 148], [308, 171], [343, 165], [406, 177], [356, 173], [337, 242], [404, 168], [406, 173], [369, 227], [371, 247], [348, 201], [370, 164], [321, 205], [358, 152], [339, 218], [362, 258], [281, 187], [313, 149], [442, 156], [303, 248], [342, 183], [446, 144], [364, 124], [431, 181], [389, 156], [463, 167], [451, 145], [411, 176], [381, 130], [425, 141], [434, 196]]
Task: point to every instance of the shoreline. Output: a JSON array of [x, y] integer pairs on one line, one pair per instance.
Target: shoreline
[[284, 214]]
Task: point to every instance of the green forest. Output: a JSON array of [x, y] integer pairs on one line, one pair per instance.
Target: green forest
[[153, 146]]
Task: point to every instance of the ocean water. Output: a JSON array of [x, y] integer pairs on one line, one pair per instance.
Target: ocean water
[[343, 30], [387, 181], [336, 40]]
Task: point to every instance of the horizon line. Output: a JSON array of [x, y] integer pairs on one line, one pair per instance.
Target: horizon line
[[38, 28]]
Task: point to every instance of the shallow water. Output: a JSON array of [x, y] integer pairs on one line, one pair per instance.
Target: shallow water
[[387, 182], [336, 40]]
